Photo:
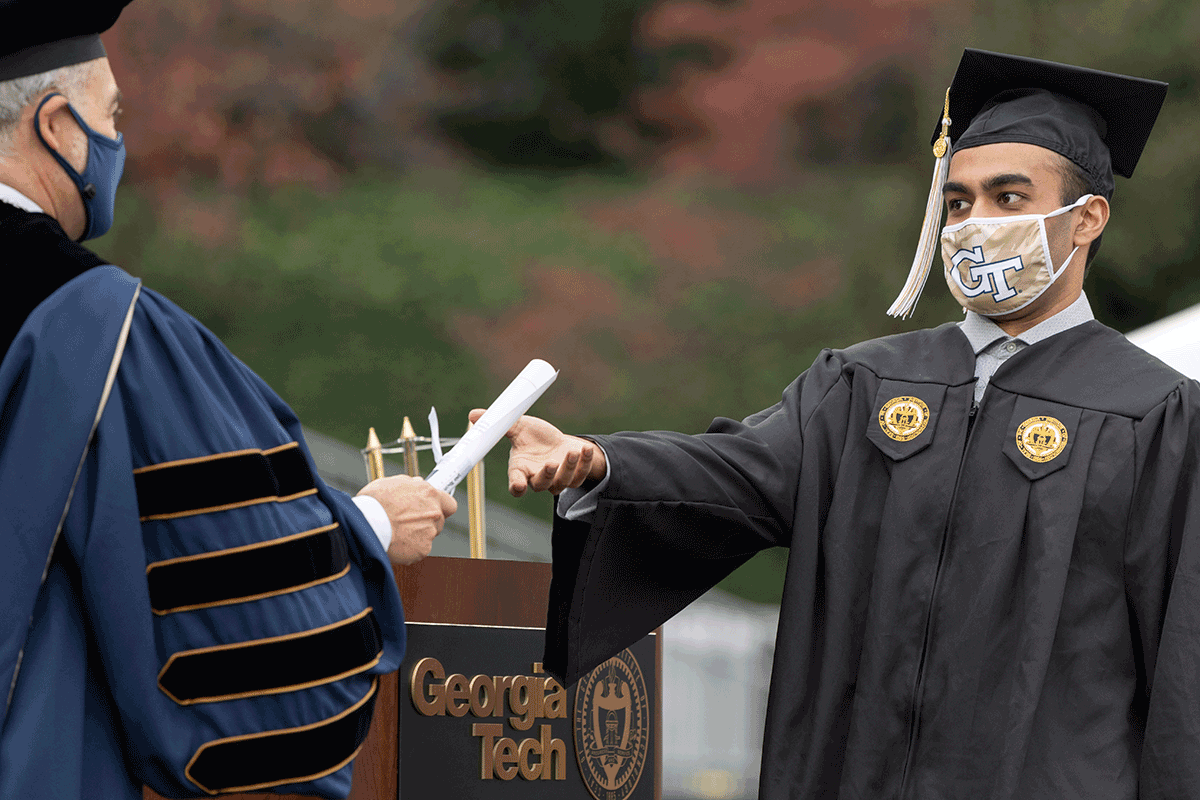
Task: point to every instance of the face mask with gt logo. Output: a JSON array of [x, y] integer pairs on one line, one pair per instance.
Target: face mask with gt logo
[[999, 265]]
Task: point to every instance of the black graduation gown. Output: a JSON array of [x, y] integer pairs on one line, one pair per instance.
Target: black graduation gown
[[958, 620], [38, 257]]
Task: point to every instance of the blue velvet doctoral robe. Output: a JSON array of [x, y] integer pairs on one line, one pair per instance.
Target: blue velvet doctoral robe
[[183, 602]]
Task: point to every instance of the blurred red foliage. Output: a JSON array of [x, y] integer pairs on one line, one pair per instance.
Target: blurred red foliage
[[274, 92], [565, 311], [568, 310], [280, 91], [265, 91], [702, 244], [736, 117]]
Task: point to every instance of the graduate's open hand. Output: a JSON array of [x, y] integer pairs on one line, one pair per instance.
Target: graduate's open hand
[[543, 458], [417, 512]]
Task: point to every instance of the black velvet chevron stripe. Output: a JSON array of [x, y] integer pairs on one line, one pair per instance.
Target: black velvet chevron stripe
[[283, 757], [269, 666], [221, 481], [228, 577]]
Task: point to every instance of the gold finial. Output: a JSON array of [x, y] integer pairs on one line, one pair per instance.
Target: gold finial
[[409, 437], [374, 456], [943, 142]]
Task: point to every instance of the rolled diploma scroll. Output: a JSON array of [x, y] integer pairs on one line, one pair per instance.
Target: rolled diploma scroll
[[514, 401]]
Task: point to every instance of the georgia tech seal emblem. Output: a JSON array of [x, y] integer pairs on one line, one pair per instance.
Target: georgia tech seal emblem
[[612, 727], [903, 418], [1041, 439]]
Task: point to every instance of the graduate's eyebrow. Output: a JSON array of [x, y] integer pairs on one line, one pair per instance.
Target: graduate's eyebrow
[[990, 184], [1007, 179]]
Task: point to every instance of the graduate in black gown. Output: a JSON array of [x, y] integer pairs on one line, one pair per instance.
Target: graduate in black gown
[[184, 603], [993, 587]]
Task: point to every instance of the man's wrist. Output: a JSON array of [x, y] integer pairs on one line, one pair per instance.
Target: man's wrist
[[373, 510]]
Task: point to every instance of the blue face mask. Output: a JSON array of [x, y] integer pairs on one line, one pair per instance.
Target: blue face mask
[[98, 183]]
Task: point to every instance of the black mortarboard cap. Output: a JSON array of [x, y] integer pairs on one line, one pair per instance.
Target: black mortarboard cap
[[1099, 120], [37, 36]]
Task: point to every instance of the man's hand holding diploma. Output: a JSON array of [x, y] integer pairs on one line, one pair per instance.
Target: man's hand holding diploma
[[416, 511], [544, 458]]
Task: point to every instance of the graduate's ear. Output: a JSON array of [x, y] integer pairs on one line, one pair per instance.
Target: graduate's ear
[[1093, 217]]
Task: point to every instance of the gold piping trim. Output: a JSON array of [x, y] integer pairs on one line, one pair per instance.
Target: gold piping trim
[[298, 779], [199, 459], [230, 506], [241, 548], [255, 643], [249, 598]]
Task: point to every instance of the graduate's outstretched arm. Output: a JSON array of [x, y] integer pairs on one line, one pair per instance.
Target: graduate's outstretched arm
[[417, 512], [543, 458]]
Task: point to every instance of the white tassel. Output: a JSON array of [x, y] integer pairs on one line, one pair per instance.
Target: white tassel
[[927, 245]]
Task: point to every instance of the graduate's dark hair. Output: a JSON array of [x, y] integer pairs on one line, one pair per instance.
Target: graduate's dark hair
[[1075, 184]]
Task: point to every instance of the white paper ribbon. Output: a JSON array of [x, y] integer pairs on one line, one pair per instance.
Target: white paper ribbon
[[435, 435]]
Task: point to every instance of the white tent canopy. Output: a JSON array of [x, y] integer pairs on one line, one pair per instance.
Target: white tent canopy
[[1174, 339]]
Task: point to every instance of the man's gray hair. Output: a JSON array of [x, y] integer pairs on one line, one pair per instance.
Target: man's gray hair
[[16, 94]]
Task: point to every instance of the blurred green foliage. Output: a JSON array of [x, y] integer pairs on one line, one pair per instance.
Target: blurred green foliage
[[351, 303], [345, 304]]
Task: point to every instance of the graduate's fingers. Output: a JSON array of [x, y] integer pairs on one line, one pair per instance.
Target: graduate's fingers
[[474, 414], [564, 474], [517, 482], [543, 478], [575, 468], [583, 467]]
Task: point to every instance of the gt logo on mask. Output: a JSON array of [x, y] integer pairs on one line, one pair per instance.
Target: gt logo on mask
[[987, 277], [1022, 267]]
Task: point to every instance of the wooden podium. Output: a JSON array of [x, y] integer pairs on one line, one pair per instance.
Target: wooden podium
[[474, 591], [468, 592]]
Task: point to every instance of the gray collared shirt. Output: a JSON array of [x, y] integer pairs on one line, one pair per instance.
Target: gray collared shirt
[[992, 348]]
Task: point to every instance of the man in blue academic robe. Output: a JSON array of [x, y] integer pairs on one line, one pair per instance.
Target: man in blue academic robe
[[183, 602]]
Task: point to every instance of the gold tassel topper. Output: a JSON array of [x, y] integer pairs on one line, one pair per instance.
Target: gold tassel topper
[[906, 302]]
